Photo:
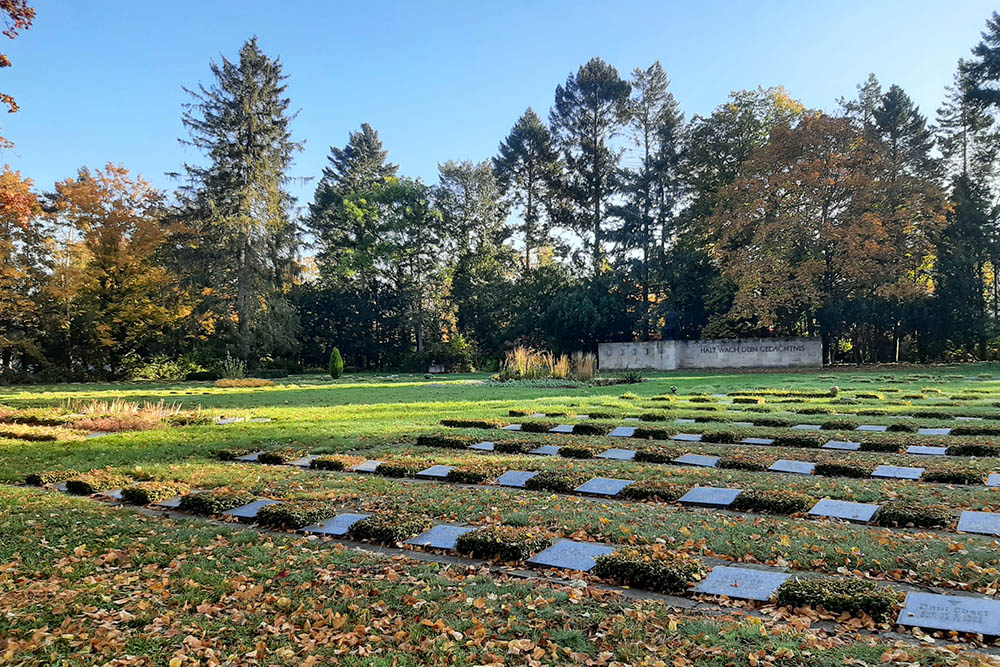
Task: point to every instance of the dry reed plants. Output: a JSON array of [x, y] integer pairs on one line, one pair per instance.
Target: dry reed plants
[[246, 382], [121, 415], [525, 363]]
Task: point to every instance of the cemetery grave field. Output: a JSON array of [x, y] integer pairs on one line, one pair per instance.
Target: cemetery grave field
[[402, 520]]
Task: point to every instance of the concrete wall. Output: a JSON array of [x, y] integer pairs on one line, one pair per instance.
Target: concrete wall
[[667, 355]]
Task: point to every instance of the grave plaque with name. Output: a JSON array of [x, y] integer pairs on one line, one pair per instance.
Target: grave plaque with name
[[571, 555], [697, 460], [337, 526], [623, 432], [878, 428], [982, 523], [443, 536], [687, 437], [546, 450], [806, 427], [898, 472], [842, 509], [618, 454], [511, 427], [515, 478], [603, 486], [249, 511], [797, 467], [434, 472], [934, 431], [757, 441], [842, 444], [741, 582], [707, 496], [925, 450], [993, 479], [537, 415], [562, 428], [960, 613], [367, 466], [482, 446]]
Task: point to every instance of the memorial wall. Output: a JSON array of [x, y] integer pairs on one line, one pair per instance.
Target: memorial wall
[[668, 355]]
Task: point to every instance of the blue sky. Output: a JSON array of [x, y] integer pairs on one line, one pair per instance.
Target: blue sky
[[100, 80]]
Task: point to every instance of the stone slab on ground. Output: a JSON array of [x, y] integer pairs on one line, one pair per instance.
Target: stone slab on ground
[[700, 460], [562, 428], [981, 523], [249, 511], [546, 450], [443, 536], [603, 486], [169, 503], [797, 467], [898, 472], [571, 555], [483, 446], [337, 526], [623, 432], [934, 431], [515, 478], [741, 582], [874, 428], [806, 427], [845, 445], [249, 458], [618, 454], [993, 479], [687, 437], [960, 613], [757, 441], [511, 427], [708, 496], [435, 472], [367, 466], [843, 509], [925, 450]]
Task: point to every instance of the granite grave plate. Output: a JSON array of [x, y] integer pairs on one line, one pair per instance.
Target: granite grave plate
[[114, 494], [898, 472], [581, 417], [225, 421], [806, 427], [618, 454], [304, 462], [169, 504], [708, 496], [562, 428], [982, 523], [482, 446], [571, 555], [687, 437], [797, 467], [969, 419], [934, 431], [546, 450], [511, 427], [631, 419], [741, 582], [743, 424], [757, 441], [337, 526], [697, 460], [993, 479], [96, 434], [61, 486], [842, 444], [260, 420], [951, 612], [685, 420], [603, 486], [440, 537], [249, 511], [367, 466], [878, 428], [925, 450], [623, 432], [249, 458], [515, 478], [434, 472], [843, 509], [537, 415]]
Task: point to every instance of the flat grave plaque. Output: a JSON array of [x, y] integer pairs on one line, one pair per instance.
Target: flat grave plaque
[[337, 526], [843, 509], [96, 434], [623, 432], [537, 415], [708, 496], [960, 613], [697, 460], [249, 511], [982, 523], [618, 454], [434, 472], [743, 424], [806, 427], [718, 395], [969, 419], [571, 555], [61, 486], [684, 420], [562, 428], [603, 486], [898, 472], [249, 458], [367, 466], [873, 427], [934, 431], [440, 537], [515, 478], [797, 467], [260, 420], [225, 421], [631, 419], [169, 504], [511, 427], [482, 446], [993, 479], [581, 417], [925, 450], [842, 444], [114, 494], [757, 441], [687, 437], [546, 450], [741, 582], [304, 462]]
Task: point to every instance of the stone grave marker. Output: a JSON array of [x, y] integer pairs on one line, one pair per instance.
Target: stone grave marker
[[96, 434], [546, 450], [623, 432], [981, 523], [337, 526], [249, 511], [685, 420], [537, 415], [925, 450], [581, 417], [969, 419], [304, 462], [367, 466], [960, 613], [993, 479], [434, 472], [571, 555], [934, 431], [260, 420], [878, 428], [843, 509], [806, 427], [61, 486], [562, 428], [757, 441], [842, 444], [249, 458], [515, 478], [482, 446], [511, 427], [898, 472], [618, 454], [631, 419], [697, 460], [708, 496], [741, 582], [797, 467], [225, 421], [687, 437], [743, 424], [443, 536], [603, 486], [114, 494]]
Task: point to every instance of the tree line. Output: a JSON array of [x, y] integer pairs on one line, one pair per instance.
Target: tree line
[[614, 218]]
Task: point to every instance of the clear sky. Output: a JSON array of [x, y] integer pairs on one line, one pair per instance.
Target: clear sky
[[100, 80]]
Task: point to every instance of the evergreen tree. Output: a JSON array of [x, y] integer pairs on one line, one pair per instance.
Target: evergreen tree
[[984, 68], [965, 130], [907, 140], [589, 112], [527, 167], [237, 210], [468, 198]]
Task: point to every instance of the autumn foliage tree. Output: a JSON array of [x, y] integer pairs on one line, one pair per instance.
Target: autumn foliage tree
[[17, 15]]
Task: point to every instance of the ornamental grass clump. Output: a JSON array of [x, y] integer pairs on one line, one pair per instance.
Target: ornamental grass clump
[[243, 383], [655, 490], [96, 481], [294, 515], [281, 456], [50, 477], [838, 596], [773, 501], [505, 543], [651, 568], [215, 502], [387, 529], [147, 493]]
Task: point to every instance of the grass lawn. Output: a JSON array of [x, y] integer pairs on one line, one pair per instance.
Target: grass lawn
[[84, 582]]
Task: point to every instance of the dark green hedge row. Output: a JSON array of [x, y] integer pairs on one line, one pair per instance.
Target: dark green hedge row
[[907, 513], [281, 456], [774, 501]]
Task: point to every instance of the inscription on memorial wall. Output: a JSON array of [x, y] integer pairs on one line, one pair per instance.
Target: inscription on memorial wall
[[726, 353]]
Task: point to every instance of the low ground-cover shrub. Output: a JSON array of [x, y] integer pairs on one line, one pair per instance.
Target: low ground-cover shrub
[[908, 513], [588, 428], [652, 433], [191, 418], [281, 456], [953, 476], [656, 416], [976, 430], [387, 528], [50, 477], [243, 382], [839, 425], [902, 427], [473, 423], [722, 437], [864, 395], [537, 426], [853, 596], [973, 449], [513, 446], [656, 455], [883, 445], [775, 422], [215, 502], [507, 543], [651, 568], [296, 514], [446, 441], [96, 481], [557, 482], [816, 410], [335, 462], [654, 489], [576, 452], [475, 473], [774, 501], [747, 400], [400, 468], [746, 461], [146, 493]]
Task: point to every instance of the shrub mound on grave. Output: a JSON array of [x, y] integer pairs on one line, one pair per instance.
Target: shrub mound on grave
[[576, 452], [506, 543], [147, 493], [600, 414], [446, 441], [400, 468], [651, 568], [520, 413], [913, 397], [294, 515], [838, 596], [819, 410], [513, 446], [591, 429], [387, 528], [747, 400], [473, 423], [908, 513], [335, 462], [773, 422], [96, 481], [885, 445], [773, 501], [746, 461], [537, 427], [715, 419], [629, 396], [215, 502], [649, 433], [656, 455], [281, 456], [953, 476], [475, 473], [931, 414], [557, 482], [838, 425], [865, 395], [976, 430], [243, 382], [973, 449], [902, 427], [233, 453], [656, 416], [832, 469], [189, 419], [721, 437], [50, 477], [802, 441], [871, 412], [654, 489]]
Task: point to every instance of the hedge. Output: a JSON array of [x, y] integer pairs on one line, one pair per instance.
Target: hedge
[[473, 423], [656, 455], [839, 425], [96, 481], [233, 453], [508, 543], [655, 416], [214, 502], [335, 462], [474, 474], [908, 513], [650, 568], [591, 429], [387, 528], [537, 427], [649, 433], [399, 468], [973, 449], [853, 596], [724, 437], [814, 411], [953, 476], [513, 446], [147, 493], [654, 489], [576, 452], [975, 430], [775, 501], [294, 515], [746, 461], [776, 422], [281, 456], [747, 400], [446, 441], [902, 427], [830, 469]]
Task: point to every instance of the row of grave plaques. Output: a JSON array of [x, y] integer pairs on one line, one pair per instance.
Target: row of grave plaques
[[871, 428]]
